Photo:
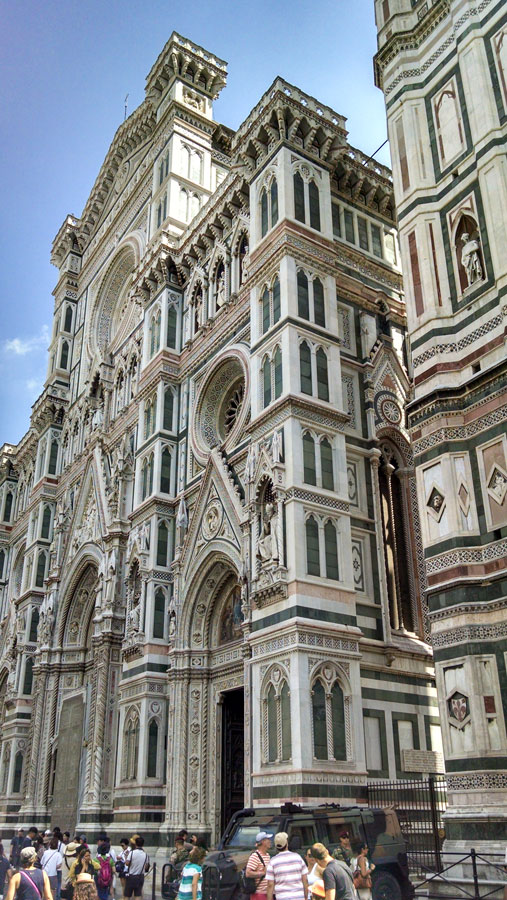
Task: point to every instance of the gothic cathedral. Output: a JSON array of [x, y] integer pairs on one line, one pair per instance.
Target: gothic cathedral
[[211, 559]]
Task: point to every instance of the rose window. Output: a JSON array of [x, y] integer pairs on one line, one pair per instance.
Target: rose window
[[233, 407]]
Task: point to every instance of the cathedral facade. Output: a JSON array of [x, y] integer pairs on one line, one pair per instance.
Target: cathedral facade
[[211, 565], [443, 69]]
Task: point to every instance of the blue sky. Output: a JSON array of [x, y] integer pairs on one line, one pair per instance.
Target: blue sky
[[65, 68]]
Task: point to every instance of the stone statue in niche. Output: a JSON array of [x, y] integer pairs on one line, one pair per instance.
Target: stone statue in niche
[[47, 619], [134, 617], [470, 259], [267, 546], [251, 463], [221, 290], [172, 624], [276, 447]]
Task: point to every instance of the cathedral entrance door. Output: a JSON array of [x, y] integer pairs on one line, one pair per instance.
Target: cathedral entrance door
[[233, 754], [70, 742]]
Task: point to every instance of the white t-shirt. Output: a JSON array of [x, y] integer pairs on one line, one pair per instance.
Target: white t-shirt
[[51, 861], [138, 859]]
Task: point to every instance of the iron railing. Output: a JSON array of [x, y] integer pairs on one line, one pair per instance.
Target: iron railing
[[463, 876]]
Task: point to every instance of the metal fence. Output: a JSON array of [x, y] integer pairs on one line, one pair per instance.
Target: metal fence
[[420, 804], [462, 876]]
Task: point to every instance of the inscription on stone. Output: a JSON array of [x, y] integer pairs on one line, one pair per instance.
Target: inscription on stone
[[429, 761]]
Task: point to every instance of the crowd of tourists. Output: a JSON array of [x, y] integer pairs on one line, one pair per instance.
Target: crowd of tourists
[[344, 875], [51, 866]]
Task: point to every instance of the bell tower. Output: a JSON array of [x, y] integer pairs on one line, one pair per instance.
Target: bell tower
[[443, 69]]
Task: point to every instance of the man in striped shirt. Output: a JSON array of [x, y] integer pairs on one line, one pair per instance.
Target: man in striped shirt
[[287, 874], [258, 863]]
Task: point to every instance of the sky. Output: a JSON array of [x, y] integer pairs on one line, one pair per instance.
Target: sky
[[65, 69]]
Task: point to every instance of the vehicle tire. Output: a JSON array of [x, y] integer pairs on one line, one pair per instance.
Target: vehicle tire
[[386, 887]]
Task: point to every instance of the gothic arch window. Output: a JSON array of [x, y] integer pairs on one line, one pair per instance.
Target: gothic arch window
[[270, 300], [172, 327], [395, 528], [299, 197], [165, 471], [67, 325], [18, 772], [306, 199], [53, 457], [305, 368], [131, 751], [322, 375], [8, 506], [34, 624], [151, 761], [326, 464], [154, 332], [303, 295], [46, 523], [168, 414], [269, 206], [2, 563], [147, 477], [40, 572], [277, 740], [266, 382], [162, 543], [329, 716], [150, 416], [312, 546], [159, 606], [271, 377], [28, 676], [322, 547], [64, 355], [309, 465]]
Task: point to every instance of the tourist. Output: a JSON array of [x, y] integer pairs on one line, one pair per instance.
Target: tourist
[[51, 863], [138, 864], [185, 837], [83, 863], [191, 878], [105, 875], [315, 882], [258, 863], [287, 874], [6, 870], [121, 862], [179, 855], [30, 838], [69, 858], [361, 869], [29, 883], [16, 847], [337, 877], [66, 837], [85, 887], [343, 852]]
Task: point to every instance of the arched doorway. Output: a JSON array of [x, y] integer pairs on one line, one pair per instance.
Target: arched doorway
[[69, 749]]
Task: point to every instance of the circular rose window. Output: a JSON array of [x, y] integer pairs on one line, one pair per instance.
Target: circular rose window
[[222, 408]]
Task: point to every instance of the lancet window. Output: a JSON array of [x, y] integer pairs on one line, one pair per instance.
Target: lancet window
[[271, 377], [322, 557], [277, 741], [329, 714], [270, 301], [269, 206]]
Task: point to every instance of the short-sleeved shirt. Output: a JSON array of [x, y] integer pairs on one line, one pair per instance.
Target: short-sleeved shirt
[[335, 877], [255, 868], [185, 889], [50, 860], [286, 869], [138, 859]]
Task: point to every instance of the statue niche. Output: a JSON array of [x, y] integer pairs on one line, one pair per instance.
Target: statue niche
[[268, 542], [468, 250]]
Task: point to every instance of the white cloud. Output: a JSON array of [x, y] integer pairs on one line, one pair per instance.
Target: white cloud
[[34, 386], [22, 346]]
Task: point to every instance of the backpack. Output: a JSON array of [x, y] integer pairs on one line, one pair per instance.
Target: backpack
[[248, 883], [105, 875]]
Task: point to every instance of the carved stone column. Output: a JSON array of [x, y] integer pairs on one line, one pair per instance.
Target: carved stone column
[[384, 595]]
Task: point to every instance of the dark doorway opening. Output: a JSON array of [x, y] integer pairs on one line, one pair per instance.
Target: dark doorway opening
[[233, 754]]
